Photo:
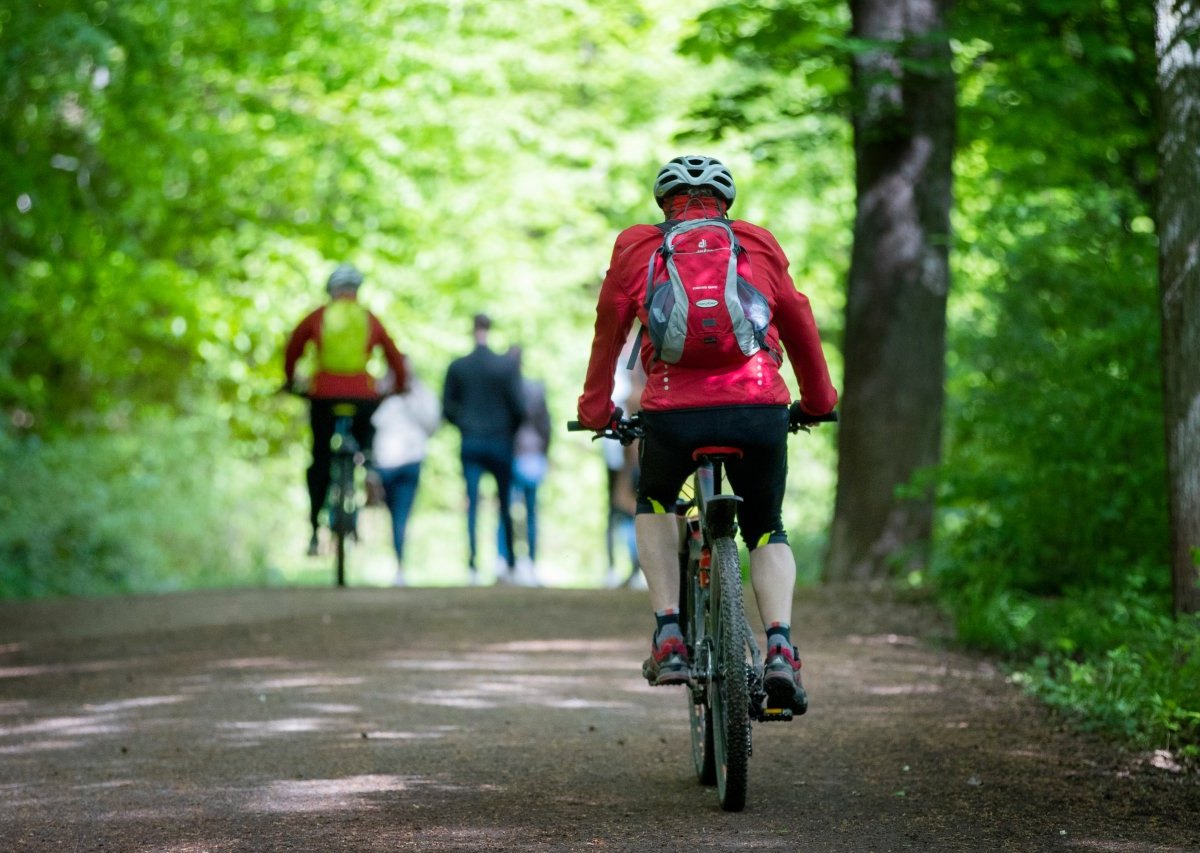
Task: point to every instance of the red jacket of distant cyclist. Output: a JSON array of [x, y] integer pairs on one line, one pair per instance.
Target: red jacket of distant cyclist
[[758, 381], [343, 349]]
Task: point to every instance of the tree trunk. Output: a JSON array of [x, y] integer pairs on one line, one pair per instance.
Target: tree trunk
[[891, 412], [1179, 276]]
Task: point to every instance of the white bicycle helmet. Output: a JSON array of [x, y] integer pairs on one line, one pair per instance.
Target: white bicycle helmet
[[345, 277], [694, 171]]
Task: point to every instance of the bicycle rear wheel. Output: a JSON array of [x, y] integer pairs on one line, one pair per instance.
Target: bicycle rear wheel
[[730, 694], [341, 510]]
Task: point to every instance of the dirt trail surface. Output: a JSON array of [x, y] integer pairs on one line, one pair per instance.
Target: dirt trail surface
[[516, 719]]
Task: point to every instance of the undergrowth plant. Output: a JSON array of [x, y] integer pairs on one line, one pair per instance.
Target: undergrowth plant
[[152, 508]]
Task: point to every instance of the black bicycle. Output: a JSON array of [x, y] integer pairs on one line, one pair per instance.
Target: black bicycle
[[341, 503], [347, 473], [725, 679]]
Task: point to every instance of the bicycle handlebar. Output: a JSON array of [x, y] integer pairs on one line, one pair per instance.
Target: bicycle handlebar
[[798, 419], [625, 430], [628, 430]]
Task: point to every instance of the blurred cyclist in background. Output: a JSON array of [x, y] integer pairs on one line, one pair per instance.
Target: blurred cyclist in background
[[345, 334]]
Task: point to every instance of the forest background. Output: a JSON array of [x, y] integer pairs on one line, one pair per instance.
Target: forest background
[[178, 179]]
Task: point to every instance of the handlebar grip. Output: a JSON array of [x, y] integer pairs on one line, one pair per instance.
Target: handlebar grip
[[799, 419], [576, 426]]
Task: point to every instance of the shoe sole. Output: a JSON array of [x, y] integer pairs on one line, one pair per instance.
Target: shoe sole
[[673, 677], [673, 672], [781, 693]]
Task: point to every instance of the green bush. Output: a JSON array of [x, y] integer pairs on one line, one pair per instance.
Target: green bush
[[1052, 541], [151, 509], [1054, 472]]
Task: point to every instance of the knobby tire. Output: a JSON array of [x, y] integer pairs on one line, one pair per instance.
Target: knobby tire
[[730, 696], [341, 512]]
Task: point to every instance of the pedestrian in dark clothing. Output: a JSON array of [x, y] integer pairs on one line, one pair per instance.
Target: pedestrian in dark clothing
[[531, 448], [482, 396]]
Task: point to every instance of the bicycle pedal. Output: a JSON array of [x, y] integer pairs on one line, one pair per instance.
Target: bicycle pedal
[[776, 715]]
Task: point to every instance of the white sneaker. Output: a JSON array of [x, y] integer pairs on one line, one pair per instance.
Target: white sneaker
[[638, 581], [398, 578], [612, 580], [525, 573]]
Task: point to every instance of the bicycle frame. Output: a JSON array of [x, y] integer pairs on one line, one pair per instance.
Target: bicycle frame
[[717, 519], [342, 500]]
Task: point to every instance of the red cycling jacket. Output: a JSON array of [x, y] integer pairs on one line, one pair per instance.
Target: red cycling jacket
[[670, 386], [355, 386]]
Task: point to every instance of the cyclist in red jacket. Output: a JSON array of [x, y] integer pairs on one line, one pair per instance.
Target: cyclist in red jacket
[[684, 407], [345, 334]]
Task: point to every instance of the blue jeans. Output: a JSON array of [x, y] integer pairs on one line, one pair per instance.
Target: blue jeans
[[399, 490], [528, 473], [495, 457]]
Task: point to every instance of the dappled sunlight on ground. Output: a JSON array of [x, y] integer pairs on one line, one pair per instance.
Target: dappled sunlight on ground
[[901, 689], [321, 795], [67, 669], [416, 723]]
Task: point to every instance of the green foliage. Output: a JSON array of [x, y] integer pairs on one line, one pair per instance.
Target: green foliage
[[155, 509], [1054, 469], [1116, 663], [1053, 539], [1060, 93]]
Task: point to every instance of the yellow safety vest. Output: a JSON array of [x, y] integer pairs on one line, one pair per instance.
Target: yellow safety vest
[[345, 330]]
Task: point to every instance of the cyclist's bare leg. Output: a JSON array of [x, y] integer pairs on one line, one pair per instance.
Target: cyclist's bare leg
[[773, 574], [658, 552]]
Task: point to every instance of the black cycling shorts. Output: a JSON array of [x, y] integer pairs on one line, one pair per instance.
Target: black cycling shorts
[[758, 478]]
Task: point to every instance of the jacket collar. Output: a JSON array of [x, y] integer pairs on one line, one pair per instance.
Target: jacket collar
[[698, 207]]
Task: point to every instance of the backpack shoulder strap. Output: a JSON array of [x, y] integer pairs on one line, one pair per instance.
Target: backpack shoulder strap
[[663, 228], [637, 348]]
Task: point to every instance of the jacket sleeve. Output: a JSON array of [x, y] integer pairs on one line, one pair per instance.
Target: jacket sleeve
[[616, 309], [798, 333], [451, 395], [395, 358], [306, 331]]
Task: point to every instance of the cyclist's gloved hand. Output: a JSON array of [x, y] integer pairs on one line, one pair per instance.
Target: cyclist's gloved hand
[[800, 419], [615, 418]]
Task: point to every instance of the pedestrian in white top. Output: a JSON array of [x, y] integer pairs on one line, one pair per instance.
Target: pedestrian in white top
[[403, 424]]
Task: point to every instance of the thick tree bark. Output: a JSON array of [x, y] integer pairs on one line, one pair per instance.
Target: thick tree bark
[[904, 135], [1179, 275]]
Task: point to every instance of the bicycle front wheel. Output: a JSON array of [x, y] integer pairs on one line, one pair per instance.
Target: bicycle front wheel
[[695, 614], [730, 696]]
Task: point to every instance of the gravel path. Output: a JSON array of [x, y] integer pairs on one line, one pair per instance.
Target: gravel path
[[515, 719]]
